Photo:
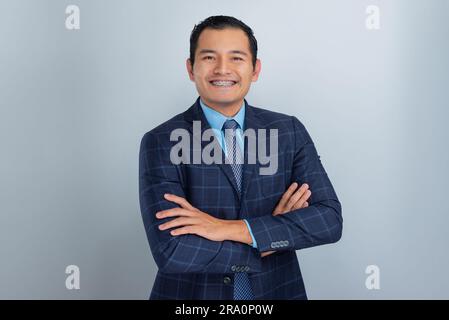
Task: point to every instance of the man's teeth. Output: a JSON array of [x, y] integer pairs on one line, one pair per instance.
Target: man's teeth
[[223, 83]]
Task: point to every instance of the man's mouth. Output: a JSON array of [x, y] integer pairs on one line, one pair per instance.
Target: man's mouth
[[222, 83]]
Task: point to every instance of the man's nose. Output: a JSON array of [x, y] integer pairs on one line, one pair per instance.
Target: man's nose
[[221, 67]]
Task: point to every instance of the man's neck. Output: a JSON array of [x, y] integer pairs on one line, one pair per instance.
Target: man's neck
[[228, 110]]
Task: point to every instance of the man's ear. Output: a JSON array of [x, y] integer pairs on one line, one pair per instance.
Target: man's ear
[[256, 71], [190, 69]]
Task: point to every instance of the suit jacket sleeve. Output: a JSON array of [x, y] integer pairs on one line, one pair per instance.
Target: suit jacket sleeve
[[184, 253], [319, 223]]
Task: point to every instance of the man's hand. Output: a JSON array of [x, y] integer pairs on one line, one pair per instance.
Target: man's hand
[[291, 200], [191, 220]]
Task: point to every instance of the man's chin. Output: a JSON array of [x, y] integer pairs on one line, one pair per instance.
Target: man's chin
[[223, 102]]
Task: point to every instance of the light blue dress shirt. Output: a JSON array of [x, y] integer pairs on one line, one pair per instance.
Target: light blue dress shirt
[[216, 121]]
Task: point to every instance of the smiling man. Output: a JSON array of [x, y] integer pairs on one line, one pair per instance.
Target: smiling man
[[223, 230], [223, 66]]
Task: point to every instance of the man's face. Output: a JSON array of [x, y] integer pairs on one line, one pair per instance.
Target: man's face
[[223, 69]]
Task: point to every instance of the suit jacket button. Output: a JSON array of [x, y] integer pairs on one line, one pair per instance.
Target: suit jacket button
[[233, 268], [226, 280]]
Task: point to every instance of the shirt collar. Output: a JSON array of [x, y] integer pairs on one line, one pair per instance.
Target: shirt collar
[[216, 119]]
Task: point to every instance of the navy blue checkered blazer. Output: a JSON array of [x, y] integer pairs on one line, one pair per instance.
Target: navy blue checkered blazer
[[192, 267]]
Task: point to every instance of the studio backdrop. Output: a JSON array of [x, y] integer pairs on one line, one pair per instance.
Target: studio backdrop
[[82, 81]]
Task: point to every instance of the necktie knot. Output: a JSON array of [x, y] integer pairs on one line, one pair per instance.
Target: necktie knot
[[230, 124]]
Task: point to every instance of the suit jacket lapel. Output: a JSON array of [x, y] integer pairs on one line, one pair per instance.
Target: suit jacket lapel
[[194, 113], [249, 170]]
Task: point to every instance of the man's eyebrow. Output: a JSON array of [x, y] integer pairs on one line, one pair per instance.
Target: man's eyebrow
[[239, 52], [204, 51]]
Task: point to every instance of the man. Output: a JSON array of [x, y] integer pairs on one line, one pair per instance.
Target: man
[[224, 230]]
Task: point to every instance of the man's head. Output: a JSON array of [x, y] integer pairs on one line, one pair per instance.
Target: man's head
[[223, 61]]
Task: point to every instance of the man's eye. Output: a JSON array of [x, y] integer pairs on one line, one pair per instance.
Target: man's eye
[[237, 58], [208, 58]]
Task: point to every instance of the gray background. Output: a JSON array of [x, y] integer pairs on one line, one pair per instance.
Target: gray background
[[75, 104]]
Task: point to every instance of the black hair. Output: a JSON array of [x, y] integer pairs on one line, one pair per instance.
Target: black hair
[[220, 23]]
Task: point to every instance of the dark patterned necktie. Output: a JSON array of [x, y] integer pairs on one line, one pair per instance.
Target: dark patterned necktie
[[242, 286]]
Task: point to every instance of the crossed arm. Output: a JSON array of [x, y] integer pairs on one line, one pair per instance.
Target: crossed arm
[[202, 243], [190, 220]]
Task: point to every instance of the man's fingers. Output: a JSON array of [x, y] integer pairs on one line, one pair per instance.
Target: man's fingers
[[181, 221], [184, 230], [287, 194], [290, 198], [179, 200], [266, 253], [174, 212], [302, 200], [296, 197]]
